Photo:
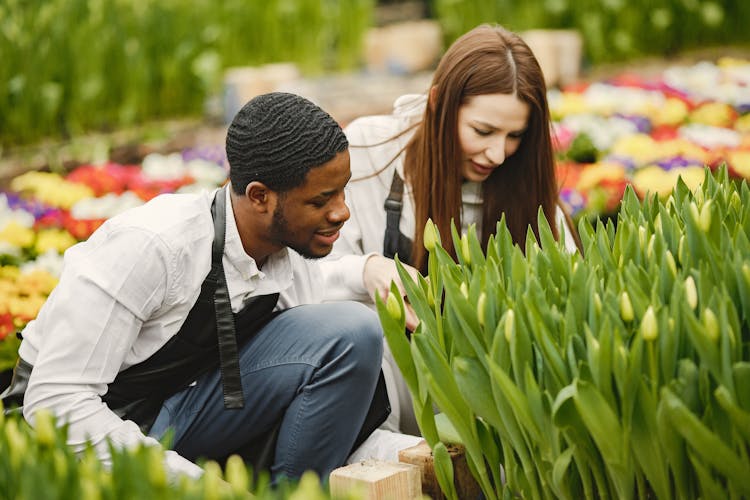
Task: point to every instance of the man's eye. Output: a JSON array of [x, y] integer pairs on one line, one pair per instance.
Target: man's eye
[[319, 203]]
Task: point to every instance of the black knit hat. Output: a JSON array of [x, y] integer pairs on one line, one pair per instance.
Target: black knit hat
[[277, 138]]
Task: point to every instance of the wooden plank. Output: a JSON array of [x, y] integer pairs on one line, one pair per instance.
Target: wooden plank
[[421, 456], [376, 480]]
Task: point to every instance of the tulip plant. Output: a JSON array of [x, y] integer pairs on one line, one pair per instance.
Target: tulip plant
[[36, 463], [622, 372]]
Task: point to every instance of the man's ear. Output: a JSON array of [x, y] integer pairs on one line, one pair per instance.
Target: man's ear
[[259, 196]]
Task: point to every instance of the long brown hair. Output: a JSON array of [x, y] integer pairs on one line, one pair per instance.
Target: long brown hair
[[486, 60]]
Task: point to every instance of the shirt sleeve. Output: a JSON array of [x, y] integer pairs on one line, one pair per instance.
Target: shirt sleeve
[[110, 286], [566, 230]]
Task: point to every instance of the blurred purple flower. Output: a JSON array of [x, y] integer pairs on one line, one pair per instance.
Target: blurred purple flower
[[36, 208], [215, 154], [678, 162], [574, 199], [625, 161], [642, 123]]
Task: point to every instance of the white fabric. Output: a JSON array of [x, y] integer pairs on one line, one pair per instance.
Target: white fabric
[[383, 445], [113, 309], [374, 158]]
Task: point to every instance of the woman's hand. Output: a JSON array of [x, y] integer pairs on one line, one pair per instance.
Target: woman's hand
[[379, 273]]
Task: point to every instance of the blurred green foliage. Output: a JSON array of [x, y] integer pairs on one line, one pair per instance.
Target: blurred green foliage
[[613, 30], [75, 65]]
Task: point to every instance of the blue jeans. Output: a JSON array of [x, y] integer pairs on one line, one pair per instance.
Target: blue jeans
[[312, 369]]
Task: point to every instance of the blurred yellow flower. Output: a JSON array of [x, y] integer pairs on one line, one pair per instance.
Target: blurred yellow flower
[[17, 235], [673, 112], [640, 147], [25, 308], [742, 124], [593, 175], [655, 180], [571, 103], [54, 239], [682, 147], [51, 189], [36, 282], [716, 114]]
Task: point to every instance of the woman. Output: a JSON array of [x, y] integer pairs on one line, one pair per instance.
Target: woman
[[477, 146]]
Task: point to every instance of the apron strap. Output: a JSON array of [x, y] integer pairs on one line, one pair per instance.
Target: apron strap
[[393, 206], [229, 361]]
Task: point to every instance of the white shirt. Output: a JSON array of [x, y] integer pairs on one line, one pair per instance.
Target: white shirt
[[123, 293], [362, 235]]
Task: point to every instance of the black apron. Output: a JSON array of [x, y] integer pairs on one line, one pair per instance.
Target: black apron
[[209, 338]]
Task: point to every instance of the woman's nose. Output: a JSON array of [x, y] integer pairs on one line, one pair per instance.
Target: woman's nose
[[496, 151]]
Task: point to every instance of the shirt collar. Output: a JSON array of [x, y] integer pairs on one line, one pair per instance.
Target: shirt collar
[[278, 265]]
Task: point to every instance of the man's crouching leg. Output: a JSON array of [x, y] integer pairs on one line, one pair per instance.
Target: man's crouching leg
[[311, 372]]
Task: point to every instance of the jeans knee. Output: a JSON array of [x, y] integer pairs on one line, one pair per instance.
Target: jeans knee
[[363, 331]]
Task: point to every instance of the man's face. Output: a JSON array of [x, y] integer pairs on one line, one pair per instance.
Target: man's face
[[308, 218]]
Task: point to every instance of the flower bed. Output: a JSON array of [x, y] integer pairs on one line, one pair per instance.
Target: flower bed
[[648, 131], [43, 214]]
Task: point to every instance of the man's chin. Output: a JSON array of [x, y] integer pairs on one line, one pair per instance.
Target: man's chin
[[312, 253]]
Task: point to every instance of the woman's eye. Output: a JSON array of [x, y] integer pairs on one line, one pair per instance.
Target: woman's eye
[[482, 132], [516, 135]]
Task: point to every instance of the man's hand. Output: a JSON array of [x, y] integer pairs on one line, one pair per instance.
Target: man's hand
[[379, 273]]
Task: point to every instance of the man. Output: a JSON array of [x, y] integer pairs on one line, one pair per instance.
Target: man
[[187, 313]]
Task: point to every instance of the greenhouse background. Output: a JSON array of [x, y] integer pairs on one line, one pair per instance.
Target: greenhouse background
[[108, 103]]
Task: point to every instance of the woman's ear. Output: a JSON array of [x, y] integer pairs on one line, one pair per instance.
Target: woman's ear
[[432, 97]]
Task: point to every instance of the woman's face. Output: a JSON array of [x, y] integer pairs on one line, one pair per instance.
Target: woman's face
[[490, 129]]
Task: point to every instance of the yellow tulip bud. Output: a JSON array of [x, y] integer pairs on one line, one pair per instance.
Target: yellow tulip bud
[[626, 308], [465, 249], [597, 303], [509, 325], [393, 307], [45, 428], [746, 272], [211, 480], [308, 488], [430, 238], [694, 213], [464, 289], [691, 292], [671, 264], [650, 247], [17, 443], [649, 328], [237, 476], [735, 201], [59, 463], [657, 224], [481, 306], [642, 237], [711, 324], [157, 474]]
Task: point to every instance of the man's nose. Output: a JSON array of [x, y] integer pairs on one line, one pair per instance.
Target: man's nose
[[340, 211]]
